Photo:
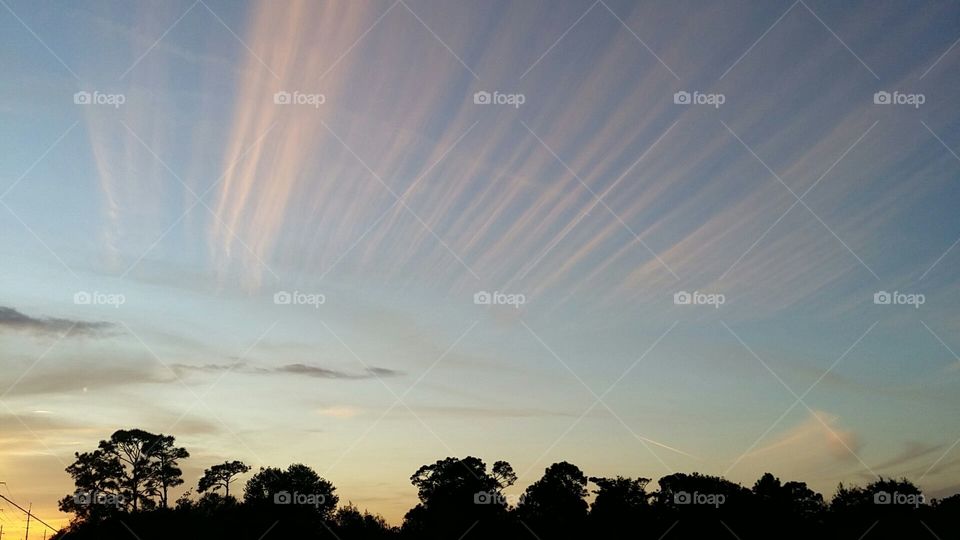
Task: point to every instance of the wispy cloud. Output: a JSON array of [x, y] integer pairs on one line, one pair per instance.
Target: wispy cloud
[[914, 450], [818, 436], [488, 412], [304, 370], [82, 377], [13, 320]]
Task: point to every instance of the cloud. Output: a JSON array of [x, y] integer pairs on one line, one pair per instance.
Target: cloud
[[940, 467], [23, 430], [304, 370], [818, 435], [913, 451], [11, 319], [820, 432], [339, 412], [85, 377], [485, 412]]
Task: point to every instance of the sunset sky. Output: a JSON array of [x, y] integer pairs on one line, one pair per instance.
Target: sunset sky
[[196, 196]]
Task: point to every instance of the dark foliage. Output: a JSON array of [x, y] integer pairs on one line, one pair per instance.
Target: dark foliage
[[459, 498]]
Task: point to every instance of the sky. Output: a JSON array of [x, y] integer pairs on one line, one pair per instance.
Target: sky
[[271, 229]]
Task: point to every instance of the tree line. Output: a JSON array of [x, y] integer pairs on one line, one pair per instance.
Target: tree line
[[123, 487]]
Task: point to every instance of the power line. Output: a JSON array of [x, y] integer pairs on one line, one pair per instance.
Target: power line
[[29, 514]]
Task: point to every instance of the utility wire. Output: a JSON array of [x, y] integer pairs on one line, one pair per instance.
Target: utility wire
[[29, 513]]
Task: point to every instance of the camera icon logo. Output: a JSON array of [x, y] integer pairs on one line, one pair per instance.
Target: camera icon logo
[[482, 298], [682, 298], [83, 498], [282, 497], [882, 298], [881, 497], [281, 98], [82, 298], [282, 298], [82, 98], [681, 497], [681, 98], [881, 98], [481, 98], [482, 497]]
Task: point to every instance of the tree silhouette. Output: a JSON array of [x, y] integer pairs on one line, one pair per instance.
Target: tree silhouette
[[556, 502], [95, 474], [791, 499], [457, 495], [898, 503], [503, 474], [139, 480], [297, 487], [220, 476], [167, 469], [460, 498], [351, 523], [619, 503], [133, 467]]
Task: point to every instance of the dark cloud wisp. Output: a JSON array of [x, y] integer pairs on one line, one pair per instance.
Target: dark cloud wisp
[[304, 370], [11, 319]]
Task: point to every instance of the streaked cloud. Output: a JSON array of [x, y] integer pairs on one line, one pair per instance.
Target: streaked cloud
[[304, 370], [13, 320]]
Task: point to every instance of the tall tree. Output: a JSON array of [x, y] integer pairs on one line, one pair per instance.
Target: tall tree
[[165, 455], [134, 467], [503, 474], [132, 448]]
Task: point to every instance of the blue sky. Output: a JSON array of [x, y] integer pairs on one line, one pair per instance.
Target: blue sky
[[398, 198]]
